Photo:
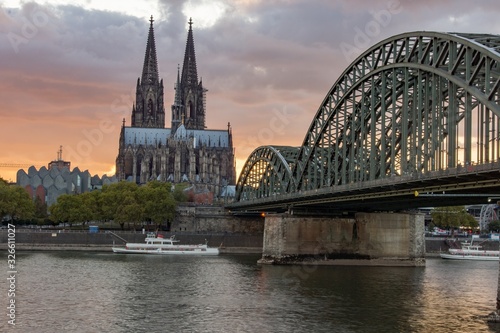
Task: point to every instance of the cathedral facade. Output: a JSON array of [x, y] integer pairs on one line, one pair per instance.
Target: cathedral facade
[[185, 152]]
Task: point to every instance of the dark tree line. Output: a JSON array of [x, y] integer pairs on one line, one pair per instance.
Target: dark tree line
[[124, 203]]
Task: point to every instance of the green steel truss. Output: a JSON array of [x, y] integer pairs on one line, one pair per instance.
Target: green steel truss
[[268, 171], [411, 104]]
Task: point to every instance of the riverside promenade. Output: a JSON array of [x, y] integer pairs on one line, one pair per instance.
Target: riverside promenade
[[48, 240], [83, 240]]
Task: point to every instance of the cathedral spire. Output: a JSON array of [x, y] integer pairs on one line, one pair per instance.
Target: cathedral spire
[[177, 99], [189, 92], [149, 110], [189, 73], [177, 106], [150, 69]]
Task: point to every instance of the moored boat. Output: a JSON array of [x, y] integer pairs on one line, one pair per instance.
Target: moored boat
[[157, 244], [471, 252]]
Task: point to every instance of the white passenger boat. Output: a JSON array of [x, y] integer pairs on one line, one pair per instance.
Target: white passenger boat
[[156, 244], [471, 252]]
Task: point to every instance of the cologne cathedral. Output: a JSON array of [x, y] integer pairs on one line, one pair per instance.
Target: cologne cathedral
[[185, 152]]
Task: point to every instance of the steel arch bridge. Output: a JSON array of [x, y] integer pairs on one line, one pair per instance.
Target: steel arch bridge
[[417, 111]]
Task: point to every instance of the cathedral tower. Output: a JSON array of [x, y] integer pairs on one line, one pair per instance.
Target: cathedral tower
[[149, 110], [189, 101], [186, 152]]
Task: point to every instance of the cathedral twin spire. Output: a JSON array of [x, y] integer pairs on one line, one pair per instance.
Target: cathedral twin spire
[[189, 75], [150, 68], [189, 101], [149, 110]]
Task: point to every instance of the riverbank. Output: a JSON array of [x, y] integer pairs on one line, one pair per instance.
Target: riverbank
[[100, 248], [435, 245], [103, 241]]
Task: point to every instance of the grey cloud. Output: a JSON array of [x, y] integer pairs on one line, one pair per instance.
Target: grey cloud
[[260, 57]]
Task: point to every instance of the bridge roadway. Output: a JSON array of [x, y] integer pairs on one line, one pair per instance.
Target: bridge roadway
[[473, 184]]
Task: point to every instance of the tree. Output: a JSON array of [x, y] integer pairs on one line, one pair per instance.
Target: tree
[[41, 212], [89, 206], [15, 203], [66, 209], [119, 203], [40, 208], [452, 217], [123, 202], [96, 201], [158, 202], [494, 226], [128, 210], [4, 199], [112, 197], [179, 194], [71, 208]]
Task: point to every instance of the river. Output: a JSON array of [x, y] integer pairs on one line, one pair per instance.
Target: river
[[104, 292]]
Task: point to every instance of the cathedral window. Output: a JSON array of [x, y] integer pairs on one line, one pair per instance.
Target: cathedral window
[[150, 106], [191, 110]]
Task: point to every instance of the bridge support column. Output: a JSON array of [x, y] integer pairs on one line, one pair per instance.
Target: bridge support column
[[379, 239]]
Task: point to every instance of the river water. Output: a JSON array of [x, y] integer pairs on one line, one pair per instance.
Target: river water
[[101, 292]]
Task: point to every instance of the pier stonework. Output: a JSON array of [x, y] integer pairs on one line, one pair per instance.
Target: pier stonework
[[383, 239], [214, 219]]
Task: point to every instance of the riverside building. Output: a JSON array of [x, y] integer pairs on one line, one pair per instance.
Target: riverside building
[[48, 183]]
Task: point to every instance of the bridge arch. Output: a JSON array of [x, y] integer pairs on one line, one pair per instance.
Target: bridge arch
[[414, 103], [268, 171]]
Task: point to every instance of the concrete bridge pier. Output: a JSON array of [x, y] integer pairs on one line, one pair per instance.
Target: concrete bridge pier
[[377, 239]]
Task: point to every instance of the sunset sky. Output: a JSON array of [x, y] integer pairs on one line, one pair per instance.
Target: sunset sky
[[68, 69]]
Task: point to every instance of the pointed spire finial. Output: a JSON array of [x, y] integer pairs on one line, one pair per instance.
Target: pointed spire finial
[[190, 23], [151, 20]]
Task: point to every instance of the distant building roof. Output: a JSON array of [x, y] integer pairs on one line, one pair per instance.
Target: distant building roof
[[152, 136], [146, 136]]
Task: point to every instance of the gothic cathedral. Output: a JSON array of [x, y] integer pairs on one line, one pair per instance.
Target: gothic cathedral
[[185, 152]]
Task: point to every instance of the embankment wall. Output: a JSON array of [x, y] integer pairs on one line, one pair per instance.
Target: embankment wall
[[215, 219], [191, 225], [58, 240]]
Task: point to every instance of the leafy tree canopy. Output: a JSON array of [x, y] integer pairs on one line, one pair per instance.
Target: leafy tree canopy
[[122, 202], [15, 203], [452, 217], [494, 226]]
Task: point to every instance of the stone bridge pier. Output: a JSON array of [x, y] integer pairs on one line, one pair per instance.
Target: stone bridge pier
[[377, 239]]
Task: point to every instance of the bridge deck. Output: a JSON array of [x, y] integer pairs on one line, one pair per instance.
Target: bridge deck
[[475, 184]]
